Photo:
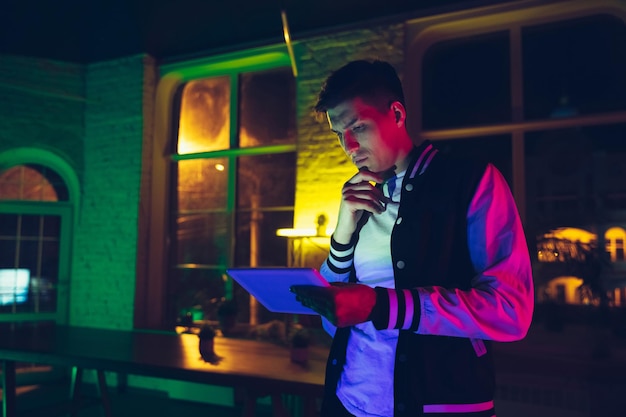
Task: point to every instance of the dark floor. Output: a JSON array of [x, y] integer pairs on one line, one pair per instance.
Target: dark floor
[[48, 400]]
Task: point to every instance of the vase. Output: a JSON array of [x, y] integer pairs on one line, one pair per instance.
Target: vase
[[207, 347]]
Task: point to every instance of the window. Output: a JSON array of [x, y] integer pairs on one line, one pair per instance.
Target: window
[[231, 182], [541, 93], [35, 224]]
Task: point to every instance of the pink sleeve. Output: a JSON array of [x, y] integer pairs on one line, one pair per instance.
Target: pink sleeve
[[500, 304]]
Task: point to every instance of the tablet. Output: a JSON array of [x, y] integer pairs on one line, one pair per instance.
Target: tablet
[[270, 286]]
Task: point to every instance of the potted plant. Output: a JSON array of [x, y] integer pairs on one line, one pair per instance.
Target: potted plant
[[299, 349]]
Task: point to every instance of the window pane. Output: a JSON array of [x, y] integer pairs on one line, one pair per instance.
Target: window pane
[[27, 249], [257, 242], [30, 226], [267, 103], [466, 82], [266, 180], [575, 176], [202, 239], [194, 290], [574, 66], [265, 198], [494, 149], [202, 184], [204, 123], [32, 182]]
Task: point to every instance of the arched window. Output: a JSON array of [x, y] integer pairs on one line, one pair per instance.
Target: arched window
[[36, 214]]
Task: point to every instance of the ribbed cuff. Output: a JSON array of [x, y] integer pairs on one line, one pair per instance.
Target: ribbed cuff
[[341, 247], [396, 309]]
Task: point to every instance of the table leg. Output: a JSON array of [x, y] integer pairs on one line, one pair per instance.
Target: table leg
[[8, 388], [75, 385], [309, 405], [104, 393], [278, 408], [249, 406]]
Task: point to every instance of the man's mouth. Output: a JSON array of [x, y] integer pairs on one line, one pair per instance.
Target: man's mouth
[[359, 160]]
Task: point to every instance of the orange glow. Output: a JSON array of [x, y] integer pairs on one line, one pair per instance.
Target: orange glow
[[25, 183], [572, 234], [569, 286], [205, 116], [615, 239]]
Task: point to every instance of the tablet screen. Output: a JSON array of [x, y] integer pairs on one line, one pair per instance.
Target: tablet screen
[[270, 286]]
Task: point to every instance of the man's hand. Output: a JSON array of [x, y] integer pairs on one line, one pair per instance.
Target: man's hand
[[343, 304], [358, 195]]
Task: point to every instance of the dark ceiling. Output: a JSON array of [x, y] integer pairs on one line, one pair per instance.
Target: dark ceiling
[[86, 31]]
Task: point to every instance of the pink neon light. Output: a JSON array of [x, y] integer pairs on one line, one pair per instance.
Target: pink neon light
[[458, 408]]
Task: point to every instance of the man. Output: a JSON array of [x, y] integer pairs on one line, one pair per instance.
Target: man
[[428, 263]]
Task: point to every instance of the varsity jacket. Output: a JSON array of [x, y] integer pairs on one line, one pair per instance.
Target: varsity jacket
[[442, 375]]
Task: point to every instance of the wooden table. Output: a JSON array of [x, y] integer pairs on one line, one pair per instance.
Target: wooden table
[[260, 368]]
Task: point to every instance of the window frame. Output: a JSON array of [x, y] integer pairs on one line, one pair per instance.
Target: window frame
[[512, 17], [152, 264], [67, 210], [424, 32]]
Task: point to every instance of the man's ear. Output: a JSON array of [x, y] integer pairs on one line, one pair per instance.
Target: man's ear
[[399, 112]]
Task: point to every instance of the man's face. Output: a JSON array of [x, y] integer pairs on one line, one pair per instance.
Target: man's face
[[367, 136]]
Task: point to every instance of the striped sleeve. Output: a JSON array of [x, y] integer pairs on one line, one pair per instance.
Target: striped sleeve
[[396, 309], [340, 257]]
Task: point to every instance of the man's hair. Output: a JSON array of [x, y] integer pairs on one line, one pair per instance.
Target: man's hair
[[375, 82]]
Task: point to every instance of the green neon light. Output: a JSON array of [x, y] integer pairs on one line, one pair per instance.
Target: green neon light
[[225, 153], [237, 62]]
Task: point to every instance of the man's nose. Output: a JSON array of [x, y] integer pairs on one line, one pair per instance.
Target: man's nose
[[350, 142]]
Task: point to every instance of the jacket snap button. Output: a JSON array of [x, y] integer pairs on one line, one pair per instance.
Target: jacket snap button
[[409, 187], [400, 264], [334, 362]]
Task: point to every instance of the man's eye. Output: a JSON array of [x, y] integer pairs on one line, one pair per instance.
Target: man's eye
[[358, 128]]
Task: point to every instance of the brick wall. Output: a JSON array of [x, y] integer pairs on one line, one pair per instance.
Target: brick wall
[[41, 105], [318, 149], [103, 278]]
